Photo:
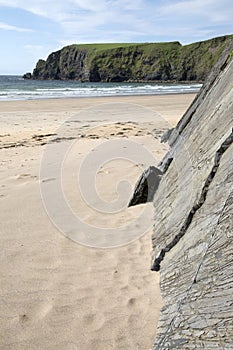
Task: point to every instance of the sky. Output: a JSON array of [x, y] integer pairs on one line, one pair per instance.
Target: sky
[[32, 29]]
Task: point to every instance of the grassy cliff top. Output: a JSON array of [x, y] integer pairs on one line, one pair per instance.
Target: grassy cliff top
[[146, 45], [168, 61], [109, 46]]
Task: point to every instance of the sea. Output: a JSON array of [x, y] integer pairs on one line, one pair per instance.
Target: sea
[[14, 87]]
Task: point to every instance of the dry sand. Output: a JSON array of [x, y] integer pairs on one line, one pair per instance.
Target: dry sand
[[57, 293]]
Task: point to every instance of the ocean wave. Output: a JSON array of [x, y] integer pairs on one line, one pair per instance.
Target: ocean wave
[[18, 89]]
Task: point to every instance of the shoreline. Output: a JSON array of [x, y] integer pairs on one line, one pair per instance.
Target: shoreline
[[16, 90], [67, 100], [104, 96]]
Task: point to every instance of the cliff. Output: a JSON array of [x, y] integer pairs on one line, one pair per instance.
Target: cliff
[[132, 62], [193, 226]]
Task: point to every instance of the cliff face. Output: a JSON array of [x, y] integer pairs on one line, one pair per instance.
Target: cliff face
[[132, 62], [193, 226]]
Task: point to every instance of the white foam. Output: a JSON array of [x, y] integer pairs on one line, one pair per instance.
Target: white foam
[[19, 89]]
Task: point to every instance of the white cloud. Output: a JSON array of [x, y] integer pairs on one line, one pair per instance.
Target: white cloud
[[213, 10], [35, 51], [62, 22], [33, 48], [6, 26], [127, 20], [185, 6]]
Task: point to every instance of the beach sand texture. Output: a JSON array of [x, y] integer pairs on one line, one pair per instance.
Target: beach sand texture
[[57, 293]]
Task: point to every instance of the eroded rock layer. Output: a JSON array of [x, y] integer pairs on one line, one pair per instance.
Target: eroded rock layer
[[193, 226]]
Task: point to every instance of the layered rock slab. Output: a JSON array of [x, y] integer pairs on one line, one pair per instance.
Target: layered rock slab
[[196, 277]]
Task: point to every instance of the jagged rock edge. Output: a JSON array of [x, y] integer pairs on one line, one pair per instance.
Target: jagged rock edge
[[172, 135], [224, 146], [146, 186]]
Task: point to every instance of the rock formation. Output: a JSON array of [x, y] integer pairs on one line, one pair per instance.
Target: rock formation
[[132, 62], [193, 226], [146, 186]]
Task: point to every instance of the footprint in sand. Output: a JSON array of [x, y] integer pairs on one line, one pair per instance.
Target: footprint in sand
[[89, 318], [131, 301], [23, 318]]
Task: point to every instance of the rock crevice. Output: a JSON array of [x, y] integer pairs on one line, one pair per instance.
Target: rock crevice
[[156, 264]]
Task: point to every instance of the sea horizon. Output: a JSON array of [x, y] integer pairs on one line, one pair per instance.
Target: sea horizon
[[15, 87]]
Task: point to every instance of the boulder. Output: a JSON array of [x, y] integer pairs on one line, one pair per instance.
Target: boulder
[[146, 186]]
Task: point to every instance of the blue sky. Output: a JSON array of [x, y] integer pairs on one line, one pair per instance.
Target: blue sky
[[31, 29]]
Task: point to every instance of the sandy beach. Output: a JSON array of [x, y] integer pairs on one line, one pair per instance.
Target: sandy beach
[[75, 261]]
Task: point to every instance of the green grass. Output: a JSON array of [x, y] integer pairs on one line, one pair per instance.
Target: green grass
[[101, 47], [135, 61], [110, 46]]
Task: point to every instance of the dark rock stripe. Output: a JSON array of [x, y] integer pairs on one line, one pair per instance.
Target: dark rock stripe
[[225, 145]]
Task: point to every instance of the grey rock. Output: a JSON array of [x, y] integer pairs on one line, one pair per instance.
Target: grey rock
[[166, 135], [193, 226]]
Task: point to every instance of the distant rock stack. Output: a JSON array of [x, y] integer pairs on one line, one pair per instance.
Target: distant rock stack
[[193, 226], [27, 76]]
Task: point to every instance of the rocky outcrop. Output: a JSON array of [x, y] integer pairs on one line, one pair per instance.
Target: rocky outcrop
[[132, 62], [193, 226], [67, 64], [27, 75], [146, 186]]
